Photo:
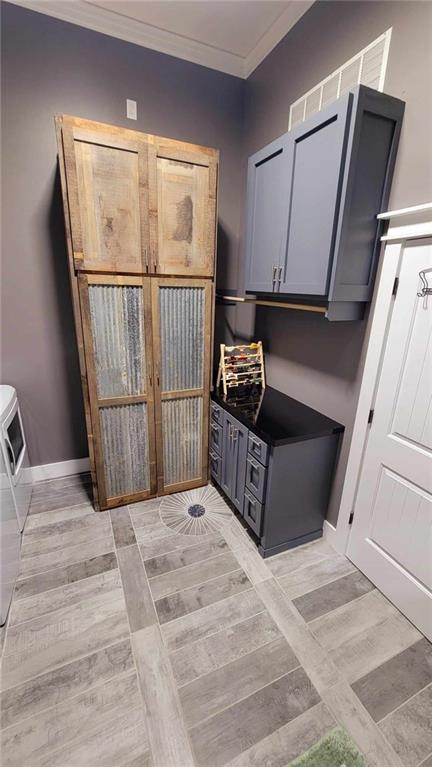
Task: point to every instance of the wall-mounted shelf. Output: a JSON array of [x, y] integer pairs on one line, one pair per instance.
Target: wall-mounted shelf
[[226, 299]]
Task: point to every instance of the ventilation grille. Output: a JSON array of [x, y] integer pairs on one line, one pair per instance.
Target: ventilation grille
[[368, 67], [125, 448], [117, 328], [182, 338], [182, 435]]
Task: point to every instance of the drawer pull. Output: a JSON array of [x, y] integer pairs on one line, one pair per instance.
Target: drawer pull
[[259, 449]]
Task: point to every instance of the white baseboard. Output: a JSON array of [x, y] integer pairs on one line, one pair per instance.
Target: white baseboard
[[60, 469], [329, 533]]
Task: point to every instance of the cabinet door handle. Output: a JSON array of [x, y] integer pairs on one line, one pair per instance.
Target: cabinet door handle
[[280, 277], [250, 501], [274, 276], [235, 434]]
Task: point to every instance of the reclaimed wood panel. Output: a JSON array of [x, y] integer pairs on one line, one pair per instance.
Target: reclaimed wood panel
[[182, 194]]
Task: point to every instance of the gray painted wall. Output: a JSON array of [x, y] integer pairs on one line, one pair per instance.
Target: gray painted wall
[[317, 362], [50, 66]]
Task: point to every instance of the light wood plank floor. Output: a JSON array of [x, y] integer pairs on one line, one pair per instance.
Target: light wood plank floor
[[128, 644]]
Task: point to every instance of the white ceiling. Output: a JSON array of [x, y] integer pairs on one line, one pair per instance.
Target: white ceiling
[[233, 36]]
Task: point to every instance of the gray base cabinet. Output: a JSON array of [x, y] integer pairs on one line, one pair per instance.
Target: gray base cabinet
[[312, 200], [280, 486]]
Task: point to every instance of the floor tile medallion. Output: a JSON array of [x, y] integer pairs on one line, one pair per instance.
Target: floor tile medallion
[[196, 512]]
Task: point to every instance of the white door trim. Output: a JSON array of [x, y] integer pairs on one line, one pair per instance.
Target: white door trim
[[393, 242]]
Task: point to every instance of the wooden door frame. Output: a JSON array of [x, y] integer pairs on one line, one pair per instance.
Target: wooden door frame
[[192, 155], [100, 135], [60, 120], [97, 403], [376, 333], [203, 392]]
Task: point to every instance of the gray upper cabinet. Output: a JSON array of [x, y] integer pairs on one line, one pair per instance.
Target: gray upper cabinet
[[267, 200], [313, 197], [316, 163]]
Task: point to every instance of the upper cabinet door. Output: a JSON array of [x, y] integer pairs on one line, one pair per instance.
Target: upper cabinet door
[[183, 189], [107, 181], [266, 215], [317, 154]]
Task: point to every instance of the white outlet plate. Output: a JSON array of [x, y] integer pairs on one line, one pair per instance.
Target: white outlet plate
[[131, 109]]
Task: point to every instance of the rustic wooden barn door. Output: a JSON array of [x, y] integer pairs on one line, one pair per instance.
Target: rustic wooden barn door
[[107, 180], [117, 327], [182, 199], [182, 332]]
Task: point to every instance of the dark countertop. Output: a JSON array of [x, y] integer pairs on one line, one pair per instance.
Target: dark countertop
[[279, 419]]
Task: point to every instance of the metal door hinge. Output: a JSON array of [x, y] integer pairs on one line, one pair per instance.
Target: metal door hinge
[[395, 286], [371, 415], [351, 517]]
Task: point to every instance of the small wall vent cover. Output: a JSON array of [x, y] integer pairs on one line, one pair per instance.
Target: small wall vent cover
[[368, 67]]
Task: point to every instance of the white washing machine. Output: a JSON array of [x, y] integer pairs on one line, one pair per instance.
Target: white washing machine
[[14, 449], [10, 542]]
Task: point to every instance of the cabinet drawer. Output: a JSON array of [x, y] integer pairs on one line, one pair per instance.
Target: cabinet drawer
[[216, 435], [215, 465], [258, 448], [255, 477], [216, 413], [252, 512]]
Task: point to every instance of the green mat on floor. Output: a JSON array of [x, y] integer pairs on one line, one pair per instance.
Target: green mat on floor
[[334, 750]]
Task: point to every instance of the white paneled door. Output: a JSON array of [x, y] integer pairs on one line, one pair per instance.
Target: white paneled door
[[391, 537]]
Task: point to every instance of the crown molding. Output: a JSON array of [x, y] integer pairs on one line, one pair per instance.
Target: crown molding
[[84, 14], [274, 34]]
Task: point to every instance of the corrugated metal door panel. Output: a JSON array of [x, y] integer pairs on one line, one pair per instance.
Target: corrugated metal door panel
[[117, 314], [125, 448], [182, 322]]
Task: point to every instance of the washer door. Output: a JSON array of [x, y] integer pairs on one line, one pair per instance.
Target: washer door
[[15, 455], [15, 443], [10, 542]]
